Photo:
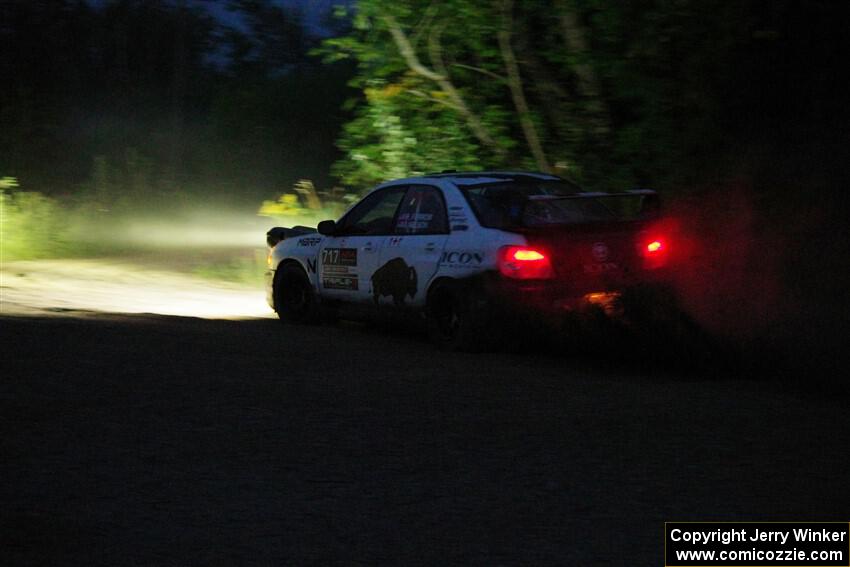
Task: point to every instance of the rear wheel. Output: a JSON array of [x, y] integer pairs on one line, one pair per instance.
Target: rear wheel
[[294, 299], [458, 319]]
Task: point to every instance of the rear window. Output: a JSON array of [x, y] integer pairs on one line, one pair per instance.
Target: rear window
[[551, 203]]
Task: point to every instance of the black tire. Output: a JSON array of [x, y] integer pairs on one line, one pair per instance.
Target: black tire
[[459, 319], [294, 299]]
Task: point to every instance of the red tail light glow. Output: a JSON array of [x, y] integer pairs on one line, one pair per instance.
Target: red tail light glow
[[524, 263], [523, 255], [655, 251]]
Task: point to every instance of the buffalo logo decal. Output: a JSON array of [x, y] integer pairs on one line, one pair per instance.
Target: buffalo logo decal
[[396, 279]]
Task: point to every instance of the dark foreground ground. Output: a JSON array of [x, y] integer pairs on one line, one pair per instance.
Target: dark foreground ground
[[142, 440]]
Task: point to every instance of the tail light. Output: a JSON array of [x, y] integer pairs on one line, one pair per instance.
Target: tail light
[[524, 263], [655, 250]]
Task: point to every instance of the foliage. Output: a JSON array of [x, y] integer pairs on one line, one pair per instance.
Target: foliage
[[442, 90], [305, 205], [390, 139], [610, 93], [158, 101], [8, 182], [286, 206], [130, 101], [31, 225], [404, 123]]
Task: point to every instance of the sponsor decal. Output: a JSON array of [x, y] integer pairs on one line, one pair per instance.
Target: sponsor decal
[[395, 279], [310, 241], [457, 216], [414, 221], [348, 283], [458, 219], [335, 269], [600, 251], [339, 257], [461, 259]]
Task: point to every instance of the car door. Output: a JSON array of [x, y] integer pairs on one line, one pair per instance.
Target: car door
[[348, 259], [410, 257]]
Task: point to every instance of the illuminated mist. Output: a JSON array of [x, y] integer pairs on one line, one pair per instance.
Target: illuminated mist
[[201, 263]]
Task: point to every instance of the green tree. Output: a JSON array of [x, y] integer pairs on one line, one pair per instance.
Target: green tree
[[460, 85], [609, 93]]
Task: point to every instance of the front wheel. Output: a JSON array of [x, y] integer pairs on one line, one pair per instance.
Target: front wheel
[[294, 299], [458, 319]]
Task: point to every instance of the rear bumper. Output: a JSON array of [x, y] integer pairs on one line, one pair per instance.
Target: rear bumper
[[557, 298]]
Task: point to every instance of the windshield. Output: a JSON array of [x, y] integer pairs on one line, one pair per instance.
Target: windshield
[[535, 204]]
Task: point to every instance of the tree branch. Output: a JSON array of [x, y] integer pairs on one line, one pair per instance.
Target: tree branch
[[441, 78], [554, 98], [491, 74], [430, 98], [428, 16], [407, 52]]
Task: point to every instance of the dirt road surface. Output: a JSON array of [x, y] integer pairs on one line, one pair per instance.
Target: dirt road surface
[[154, 440], [50, 286]]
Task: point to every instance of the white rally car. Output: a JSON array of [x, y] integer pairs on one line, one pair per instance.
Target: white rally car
[[467, 251]]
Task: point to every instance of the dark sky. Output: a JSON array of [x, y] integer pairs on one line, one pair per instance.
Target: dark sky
[[314, 10]]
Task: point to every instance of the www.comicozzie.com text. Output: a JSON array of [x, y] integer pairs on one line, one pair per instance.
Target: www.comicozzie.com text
[[781, 536]]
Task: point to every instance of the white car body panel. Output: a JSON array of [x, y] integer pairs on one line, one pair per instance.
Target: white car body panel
[[468, 249]]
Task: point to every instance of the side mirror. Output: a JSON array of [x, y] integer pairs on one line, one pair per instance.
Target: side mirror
[[327, 227]]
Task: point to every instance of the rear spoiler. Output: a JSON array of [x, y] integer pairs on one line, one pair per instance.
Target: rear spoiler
[[592, 194], [650, 203], [279, 233]]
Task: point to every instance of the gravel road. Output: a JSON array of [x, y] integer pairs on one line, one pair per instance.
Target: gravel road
[[112, 286], [155, 440]]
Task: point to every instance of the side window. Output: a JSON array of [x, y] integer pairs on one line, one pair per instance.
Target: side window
[[374, 215], [496, 207], [423, 211]]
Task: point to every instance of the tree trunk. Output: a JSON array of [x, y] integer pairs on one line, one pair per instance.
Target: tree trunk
[[515, 85], [554, 99], [588, 83]]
